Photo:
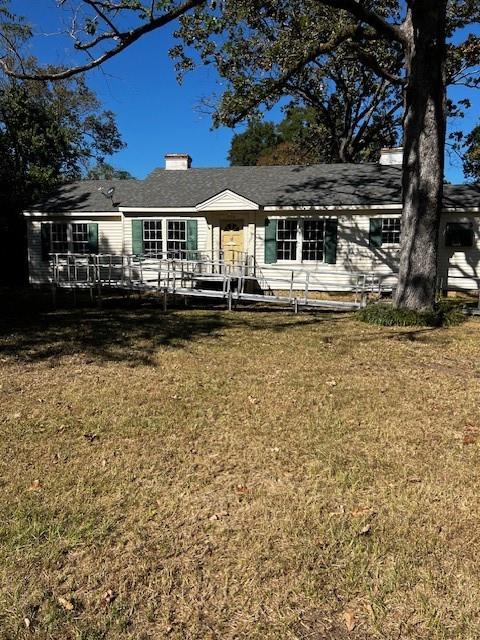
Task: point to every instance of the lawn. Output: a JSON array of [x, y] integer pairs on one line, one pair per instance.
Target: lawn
[[199, 474]]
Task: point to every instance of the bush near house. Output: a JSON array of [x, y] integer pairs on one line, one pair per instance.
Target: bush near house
[[447, 313]]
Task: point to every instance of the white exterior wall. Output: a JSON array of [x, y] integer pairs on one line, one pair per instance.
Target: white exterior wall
[[110, 240], [204, 229], [354, 255], [463, 264]]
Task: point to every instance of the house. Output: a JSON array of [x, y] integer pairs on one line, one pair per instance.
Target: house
[[327, 220]]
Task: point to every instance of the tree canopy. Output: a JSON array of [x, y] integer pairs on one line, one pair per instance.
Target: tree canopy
[[49, 133], [308, 135], [472, 155], [106, 171]]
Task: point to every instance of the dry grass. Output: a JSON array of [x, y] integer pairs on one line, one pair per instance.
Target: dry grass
[[199, 474]]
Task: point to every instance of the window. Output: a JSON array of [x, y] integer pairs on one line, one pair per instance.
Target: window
[[287, 240], [458, 234], [176, 239], [313, 240], [391, 230], [59, 238], [68, 237], [152, 238], [79, 237]]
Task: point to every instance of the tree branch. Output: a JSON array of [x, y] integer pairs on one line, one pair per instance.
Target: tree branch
[[274, 86], [127, 39], [373, 19], [370, 61]]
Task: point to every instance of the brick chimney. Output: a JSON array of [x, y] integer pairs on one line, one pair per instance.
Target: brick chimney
[[177, 161], [392, 156]]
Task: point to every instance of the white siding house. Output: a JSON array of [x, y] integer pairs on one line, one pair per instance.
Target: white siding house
[[331, 221]]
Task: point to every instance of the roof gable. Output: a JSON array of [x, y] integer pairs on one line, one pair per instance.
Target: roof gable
[[227, 200]]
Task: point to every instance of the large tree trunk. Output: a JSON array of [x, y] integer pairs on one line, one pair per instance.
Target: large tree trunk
[[424, 146]]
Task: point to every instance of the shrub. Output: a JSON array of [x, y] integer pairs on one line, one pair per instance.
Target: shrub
[[446, 314]]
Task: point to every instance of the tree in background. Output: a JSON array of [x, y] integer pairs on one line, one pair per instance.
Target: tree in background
[[261, 45], [246, 147], [308, 135], [471, 162], [49, 134], [105, 171]]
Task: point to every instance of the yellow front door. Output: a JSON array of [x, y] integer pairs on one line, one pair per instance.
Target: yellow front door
[[232, 242]]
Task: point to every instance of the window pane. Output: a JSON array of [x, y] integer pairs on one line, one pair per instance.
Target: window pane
[[391, 230], [59, 238], [152, 238], [79, 237], [287, 240], [459, 234], [177, 239], [313, 240]]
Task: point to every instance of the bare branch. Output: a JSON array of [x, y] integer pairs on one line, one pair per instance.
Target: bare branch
[[125, 40], [102, 15]]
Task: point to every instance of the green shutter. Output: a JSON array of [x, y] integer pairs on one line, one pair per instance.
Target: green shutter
[[331, 241], [93, 237], [192, 239], [137, 237], [376, 232], [45, 239], [270, 241]]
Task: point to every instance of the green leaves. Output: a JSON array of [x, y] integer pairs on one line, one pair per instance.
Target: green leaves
[[48, 134]]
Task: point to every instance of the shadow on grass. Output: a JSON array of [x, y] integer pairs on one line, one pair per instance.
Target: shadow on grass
[[124, 330]]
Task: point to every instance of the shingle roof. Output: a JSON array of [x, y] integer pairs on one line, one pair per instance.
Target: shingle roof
[[321, 184]]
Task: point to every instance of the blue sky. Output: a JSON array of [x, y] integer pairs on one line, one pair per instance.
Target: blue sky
[[154, 113]]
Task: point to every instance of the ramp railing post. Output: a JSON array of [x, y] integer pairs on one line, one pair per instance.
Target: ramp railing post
[[307, 281], [229, 294]]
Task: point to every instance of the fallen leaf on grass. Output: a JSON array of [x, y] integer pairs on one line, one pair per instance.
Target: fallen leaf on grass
[[35, 486], [108, 597], [242, 489], [217, 516], [65, 603], [340, 512], [365, 530], [349, 619]]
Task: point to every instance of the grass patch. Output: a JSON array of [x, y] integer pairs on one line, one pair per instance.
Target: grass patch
[[447, 314], [199, 474]]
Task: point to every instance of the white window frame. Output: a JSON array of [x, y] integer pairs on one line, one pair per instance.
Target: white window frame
[[70, 238], [159, 242], [164, 222], [388, 221], [182, 251], [279, 240], [312, 260], [300, 239]]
